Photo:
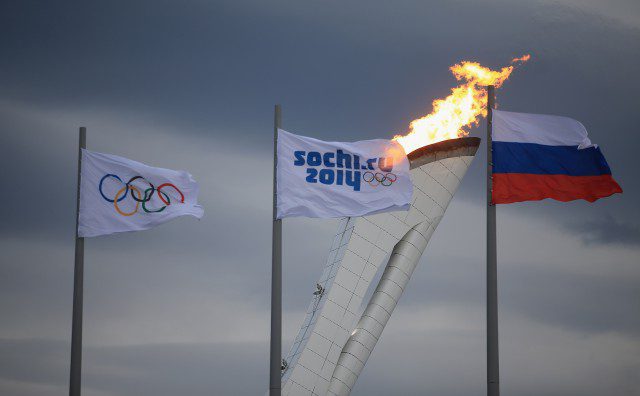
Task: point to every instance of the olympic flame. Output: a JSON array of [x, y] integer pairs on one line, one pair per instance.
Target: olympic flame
[[461, 109]]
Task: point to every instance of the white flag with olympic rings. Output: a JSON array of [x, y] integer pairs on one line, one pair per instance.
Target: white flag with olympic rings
[[119, 195], [336, 179]]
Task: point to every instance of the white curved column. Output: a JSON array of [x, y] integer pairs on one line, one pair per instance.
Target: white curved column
[[403, 261]]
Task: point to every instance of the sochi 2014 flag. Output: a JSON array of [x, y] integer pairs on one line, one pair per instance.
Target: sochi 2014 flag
[[542, 156], [336, 179], [118, 195]]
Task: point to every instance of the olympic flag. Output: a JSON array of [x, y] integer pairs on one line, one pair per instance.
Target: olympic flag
[[336, 179], [119, 195]]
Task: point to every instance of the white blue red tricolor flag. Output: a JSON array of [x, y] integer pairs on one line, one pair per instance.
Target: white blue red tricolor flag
[[541, 156], [335, 179]]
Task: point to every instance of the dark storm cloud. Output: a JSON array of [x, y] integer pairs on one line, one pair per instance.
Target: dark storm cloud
[[324, 60]]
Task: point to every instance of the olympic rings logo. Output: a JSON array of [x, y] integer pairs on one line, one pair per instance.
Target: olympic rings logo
[[379, 178], [138, 195]]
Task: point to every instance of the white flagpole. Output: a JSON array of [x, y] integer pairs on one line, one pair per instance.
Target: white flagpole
[[493, 368], [275, 372], [75, 374]]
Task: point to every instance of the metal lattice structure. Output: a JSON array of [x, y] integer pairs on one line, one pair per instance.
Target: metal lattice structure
[[329, 351]]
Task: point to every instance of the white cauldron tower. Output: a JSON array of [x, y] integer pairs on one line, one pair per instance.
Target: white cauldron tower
[[333, 344]]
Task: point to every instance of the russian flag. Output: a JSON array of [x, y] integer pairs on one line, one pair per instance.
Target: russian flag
[[541, 156]]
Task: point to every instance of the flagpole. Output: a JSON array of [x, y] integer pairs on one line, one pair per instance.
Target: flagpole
[[75, 373], [493, 368], [275, 381]]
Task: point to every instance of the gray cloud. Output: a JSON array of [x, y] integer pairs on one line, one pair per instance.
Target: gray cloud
[[607, 230], [161, 369]]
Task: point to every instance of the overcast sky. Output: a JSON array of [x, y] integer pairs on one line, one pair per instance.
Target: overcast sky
[[183, 308]]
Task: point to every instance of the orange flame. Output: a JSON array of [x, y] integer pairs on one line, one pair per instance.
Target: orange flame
[[521, 59], [462, 108]]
